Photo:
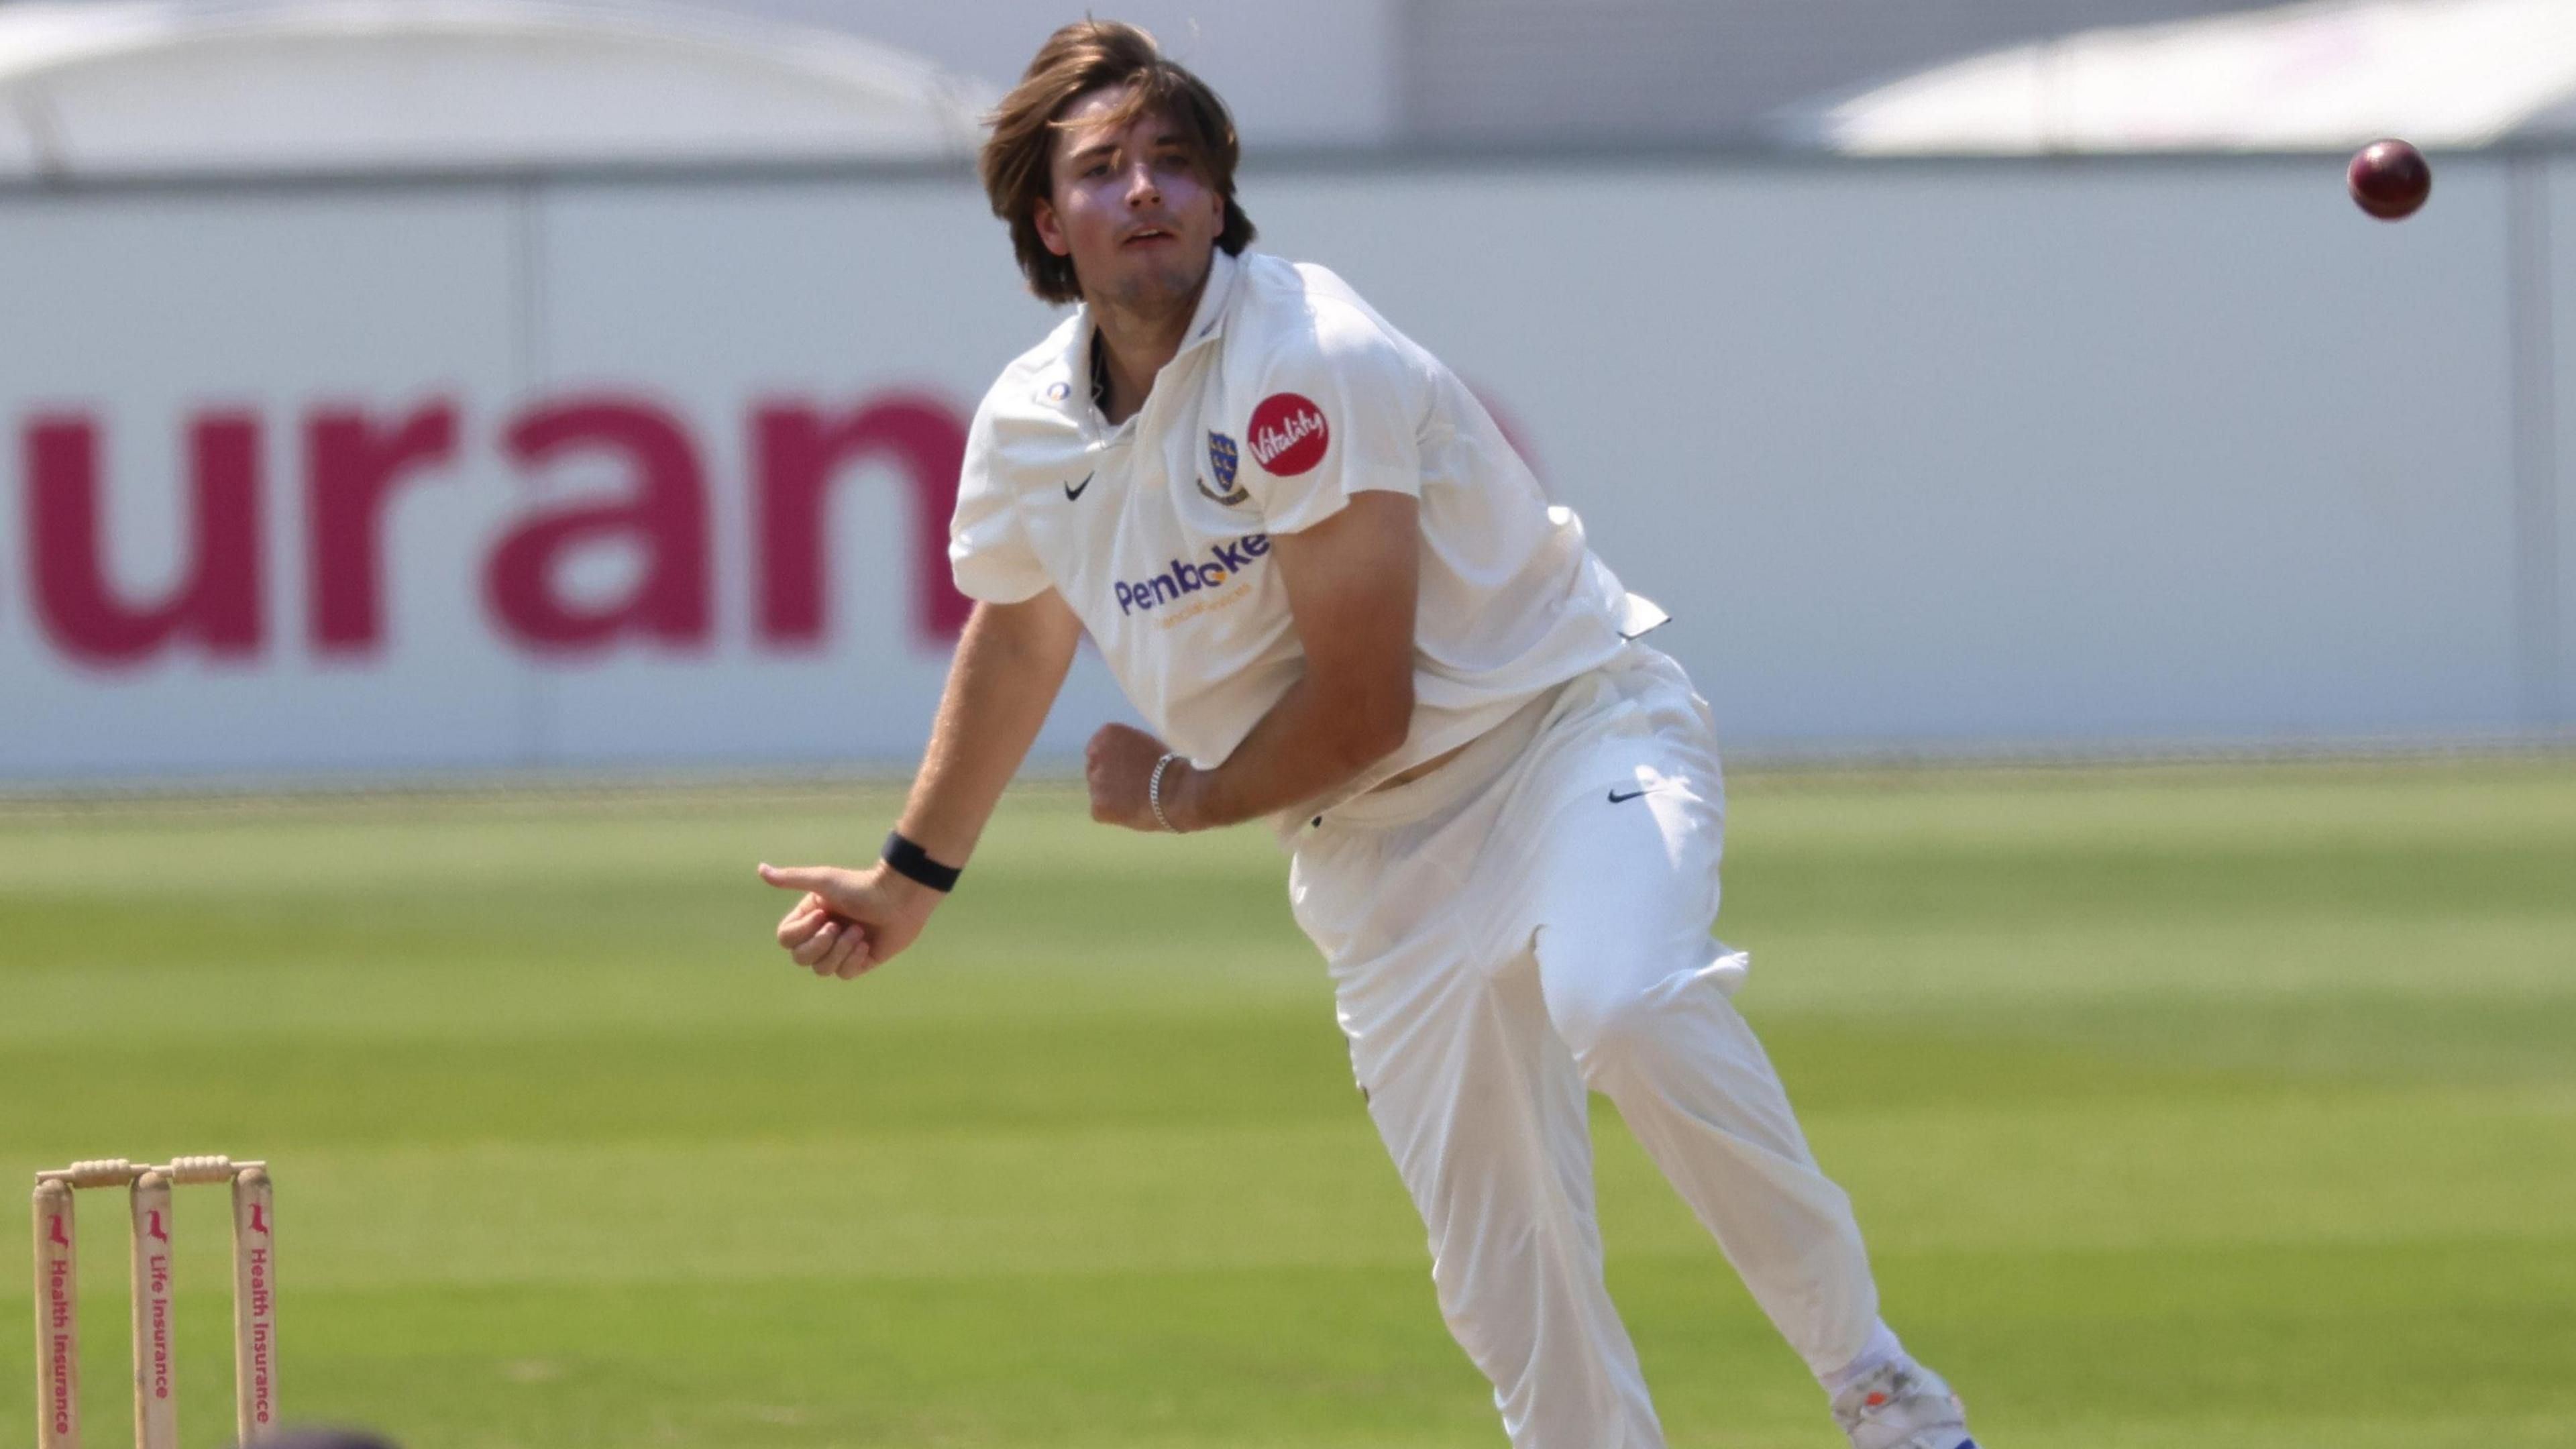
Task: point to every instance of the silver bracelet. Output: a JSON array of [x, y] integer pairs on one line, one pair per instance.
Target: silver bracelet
[[1154, 793]]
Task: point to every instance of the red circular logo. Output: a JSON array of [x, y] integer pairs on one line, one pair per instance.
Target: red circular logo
[[1288, 435]]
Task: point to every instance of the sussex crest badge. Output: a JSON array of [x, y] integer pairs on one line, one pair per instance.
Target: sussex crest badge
[[1221, 463]]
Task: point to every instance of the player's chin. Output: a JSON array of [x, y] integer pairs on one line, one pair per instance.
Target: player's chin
[[1157, 272]]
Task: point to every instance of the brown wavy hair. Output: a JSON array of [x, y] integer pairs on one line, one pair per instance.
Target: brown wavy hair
[[1018, 158]]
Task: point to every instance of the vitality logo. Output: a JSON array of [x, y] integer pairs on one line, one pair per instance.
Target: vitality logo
[[1288, 434], [1189, 576]]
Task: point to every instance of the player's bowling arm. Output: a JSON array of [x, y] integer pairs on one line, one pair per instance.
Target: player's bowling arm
[[1009, 665], [1352, 581]]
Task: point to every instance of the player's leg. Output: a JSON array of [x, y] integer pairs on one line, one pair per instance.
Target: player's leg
[[1638, 991], [1621, 902], [1483, 1112], [1481, 1108]]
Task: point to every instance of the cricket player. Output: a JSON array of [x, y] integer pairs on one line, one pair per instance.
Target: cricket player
[[1346, 608]]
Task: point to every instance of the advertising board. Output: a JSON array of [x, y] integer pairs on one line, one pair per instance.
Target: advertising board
[[591, 473]]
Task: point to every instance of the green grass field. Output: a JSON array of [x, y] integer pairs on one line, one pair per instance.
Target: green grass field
[[2221, 1108]]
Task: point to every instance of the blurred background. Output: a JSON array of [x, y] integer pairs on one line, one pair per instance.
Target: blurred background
[[469, 386], [476, 481]]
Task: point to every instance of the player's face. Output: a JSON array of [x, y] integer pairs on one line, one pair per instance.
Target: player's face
[[1129, 207]]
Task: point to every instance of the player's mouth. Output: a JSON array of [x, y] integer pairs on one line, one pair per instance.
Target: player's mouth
[[1147, 236]]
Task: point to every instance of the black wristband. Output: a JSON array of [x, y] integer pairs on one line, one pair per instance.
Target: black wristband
[[913, 863]]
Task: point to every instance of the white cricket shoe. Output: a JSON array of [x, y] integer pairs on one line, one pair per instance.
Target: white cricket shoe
[[1902, 1405]]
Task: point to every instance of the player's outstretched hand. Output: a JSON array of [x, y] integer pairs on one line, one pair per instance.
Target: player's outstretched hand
[[1119, 766], [849, 922]]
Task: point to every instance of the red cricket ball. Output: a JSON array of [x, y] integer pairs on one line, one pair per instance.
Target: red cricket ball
[[2389, 179]]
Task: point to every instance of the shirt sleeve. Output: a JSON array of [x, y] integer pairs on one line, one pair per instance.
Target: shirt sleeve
[[1334, 415], [988, 547]]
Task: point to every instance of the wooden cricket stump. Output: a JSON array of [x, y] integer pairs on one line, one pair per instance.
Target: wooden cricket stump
[[156, 1415]]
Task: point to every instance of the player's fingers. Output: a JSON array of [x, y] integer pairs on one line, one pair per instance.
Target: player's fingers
[[815, 878], [843, 933], [800, 924], [851, 945], [796, 925], [818, 945], [863, 955]]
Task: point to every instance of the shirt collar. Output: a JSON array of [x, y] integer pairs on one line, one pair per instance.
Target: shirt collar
[[1206, 324], [1209, 320]]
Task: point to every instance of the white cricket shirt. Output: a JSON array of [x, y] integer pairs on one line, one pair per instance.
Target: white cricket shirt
[[1289, 394]]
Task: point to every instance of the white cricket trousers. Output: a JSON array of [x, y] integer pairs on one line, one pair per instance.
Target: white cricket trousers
[[1529, 920]]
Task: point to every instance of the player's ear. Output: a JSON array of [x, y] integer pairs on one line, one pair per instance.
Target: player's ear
[[1050, 228]]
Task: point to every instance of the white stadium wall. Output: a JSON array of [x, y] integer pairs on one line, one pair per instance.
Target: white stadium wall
[[2044, 453], [2548, 292], [630, 473]]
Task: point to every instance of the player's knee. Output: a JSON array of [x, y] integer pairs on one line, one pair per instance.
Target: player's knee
[[1611, 1028], [1606, 1028]]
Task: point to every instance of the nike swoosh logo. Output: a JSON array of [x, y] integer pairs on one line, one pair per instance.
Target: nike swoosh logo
[[1618, 799], [1072, 491]]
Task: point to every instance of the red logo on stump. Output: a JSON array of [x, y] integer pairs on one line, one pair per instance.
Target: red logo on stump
[[1287, 435]]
